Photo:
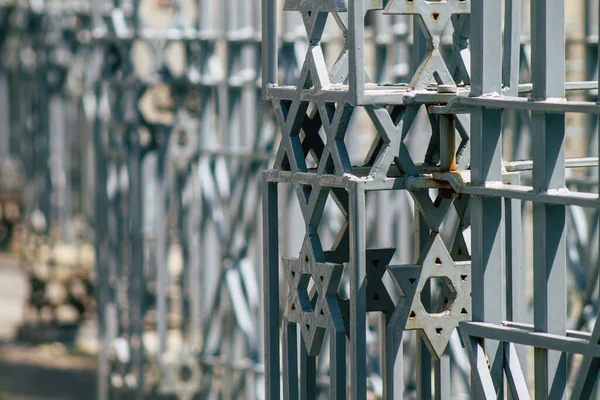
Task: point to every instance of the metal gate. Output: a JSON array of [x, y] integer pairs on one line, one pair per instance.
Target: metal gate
[[480, 287], [430, 218]]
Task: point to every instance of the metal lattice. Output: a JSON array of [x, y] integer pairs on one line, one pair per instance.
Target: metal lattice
[[430, 220], [481, 285]]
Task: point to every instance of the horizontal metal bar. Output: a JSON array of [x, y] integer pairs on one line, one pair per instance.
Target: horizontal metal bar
[[374, 94], [233, 364], [367, 182], [460, 182], [527, 193], [306, 178], [461, 104], [528, 327], [527, 165], [569, 86], [232, 153], [535, 339], [172, 35]]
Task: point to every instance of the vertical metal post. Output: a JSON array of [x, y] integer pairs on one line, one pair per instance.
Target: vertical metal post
[[59, 152], [271, 288], [102, 248], [5, 113], [512, 47], [486, 165], [162, 269], [443, 387], [515, 271], [549, 239], [358, 303], [269, 44], [136, 260], [356, 51], [423, 356]]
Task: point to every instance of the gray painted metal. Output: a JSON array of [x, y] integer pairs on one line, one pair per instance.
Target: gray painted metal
[[494, 266], [407, 141]]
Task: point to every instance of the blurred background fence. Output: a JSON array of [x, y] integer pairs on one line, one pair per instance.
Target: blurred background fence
[[133, 140]]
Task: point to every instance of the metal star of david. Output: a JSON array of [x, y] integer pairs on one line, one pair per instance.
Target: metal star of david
[[454, 301], [378, 297], [182, 377], [459, 250], [315, 5], [318, 310], [434, 17], [293, 118], [314, 13], [312, 199], [183, 144], [335, 119], [433, 212], [389, 147], [435, 14], [386, 149], [406, 278], [393, 128], [290, 117]]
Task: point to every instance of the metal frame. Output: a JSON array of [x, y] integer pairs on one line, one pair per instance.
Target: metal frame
[[495, 195], [426, 233]]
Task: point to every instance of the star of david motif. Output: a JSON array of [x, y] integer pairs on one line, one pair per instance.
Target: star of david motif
[[393, 129], [314, 308], [433, 212], [181, 376], [182, 143], [332, 156], [123, 375], [406, 278], [407, 115], [315, 5], [335, 120], [389, 147], [459, 250], [434, 17], [460, 38], [386, 148], [290, 118], [314, 71], [314, 13], [312, 199], [454, 302], [378, 297]]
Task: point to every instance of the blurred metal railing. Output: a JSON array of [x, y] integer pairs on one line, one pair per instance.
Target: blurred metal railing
[[144, 121]]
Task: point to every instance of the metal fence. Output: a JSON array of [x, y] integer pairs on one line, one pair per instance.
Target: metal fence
[[482, 287], [429, 218]]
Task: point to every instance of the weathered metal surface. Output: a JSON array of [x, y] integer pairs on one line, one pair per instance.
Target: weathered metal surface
[[462, 100], [427, 173]]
